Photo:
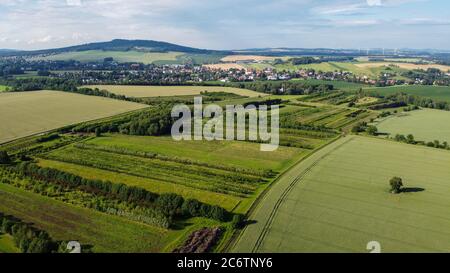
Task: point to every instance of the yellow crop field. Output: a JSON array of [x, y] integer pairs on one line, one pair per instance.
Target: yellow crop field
[[27, 113], [166, 91], [404, 65]]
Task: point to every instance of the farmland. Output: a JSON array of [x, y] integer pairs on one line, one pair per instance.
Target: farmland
[[404, 65], [440, 93], [119, 56], [424, 124], [198, 173], [236, 58], [103, 232], [343, 189], [167, 91], [23, 114]]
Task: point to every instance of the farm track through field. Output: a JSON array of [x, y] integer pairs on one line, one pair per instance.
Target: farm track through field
[[287, 191]]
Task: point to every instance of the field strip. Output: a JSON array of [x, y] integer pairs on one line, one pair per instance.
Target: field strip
[[256, 232]]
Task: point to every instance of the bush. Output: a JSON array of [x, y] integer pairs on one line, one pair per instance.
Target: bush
[[4, 158], [237, 221], [396, 185]]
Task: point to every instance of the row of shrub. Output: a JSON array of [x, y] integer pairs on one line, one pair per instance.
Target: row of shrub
[[28, 239], [133, 212], [150, 122], [170, 204], [409, 139]]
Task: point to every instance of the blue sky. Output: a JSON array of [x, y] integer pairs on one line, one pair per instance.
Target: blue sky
[[228, 24]]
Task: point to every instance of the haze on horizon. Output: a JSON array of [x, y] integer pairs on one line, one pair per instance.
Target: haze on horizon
[[228, 24]]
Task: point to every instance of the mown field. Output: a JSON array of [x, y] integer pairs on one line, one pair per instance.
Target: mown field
[[102, 232], [119, 56], [221, 173], [27, 113], [156, 91], [440, 93], [338, 200], [424, 124]]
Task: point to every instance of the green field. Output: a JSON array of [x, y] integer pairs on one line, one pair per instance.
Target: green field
[[105, 233], [371, 72], [7, 244], [163, 91], [218, 173], [338, 200], [424, 124], [119, 56], [439, 93], [27, 113], [341, 85]]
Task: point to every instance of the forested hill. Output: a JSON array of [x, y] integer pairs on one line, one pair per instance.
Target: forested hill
[[121, 45]]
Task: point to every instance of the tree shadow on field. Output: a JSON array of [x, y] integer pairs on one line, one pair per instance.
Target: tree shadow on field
[[411, 190], [250, 222], [180, 225]]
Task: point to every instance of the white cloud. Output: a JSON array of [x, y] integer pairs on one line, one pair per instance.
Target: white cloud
[[374, 2], [76, 3]]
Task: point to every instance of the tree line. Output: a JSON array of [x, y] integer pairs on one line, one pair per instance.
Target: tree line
[[170, 204], [27, 238]]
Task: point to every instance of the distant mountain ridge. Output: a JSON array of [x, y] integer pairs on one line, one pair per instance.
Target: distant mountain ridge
[[121, 45]]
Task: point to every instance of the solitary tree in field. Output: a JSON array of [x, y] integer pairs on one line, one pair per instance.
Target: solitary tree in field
[[372, 130], [396, 185], [4, 157]]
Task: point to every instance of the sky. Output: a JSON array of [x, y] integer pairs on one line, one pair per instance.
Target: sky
[[228, 24]]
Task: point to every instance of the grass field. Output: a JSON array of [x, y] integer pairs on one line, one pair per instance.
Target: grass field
[[226, 201], [341, 85], [65, 222], [440, 93], [425, 124], [156, 91], [119, 56], [219, 173], [7, 244], [338, 200], [404, 65], [236, 58], [236, 154], [27, 113]]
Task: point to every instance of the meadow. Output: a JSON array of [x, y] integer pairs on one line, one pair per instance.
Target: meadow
[[439, 93], [105, 233], [218, 173], [404, 65], [340, 85], [353, 67], [28, 113], [344, 189], [425, 124], [167, 91], [119, 56]]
